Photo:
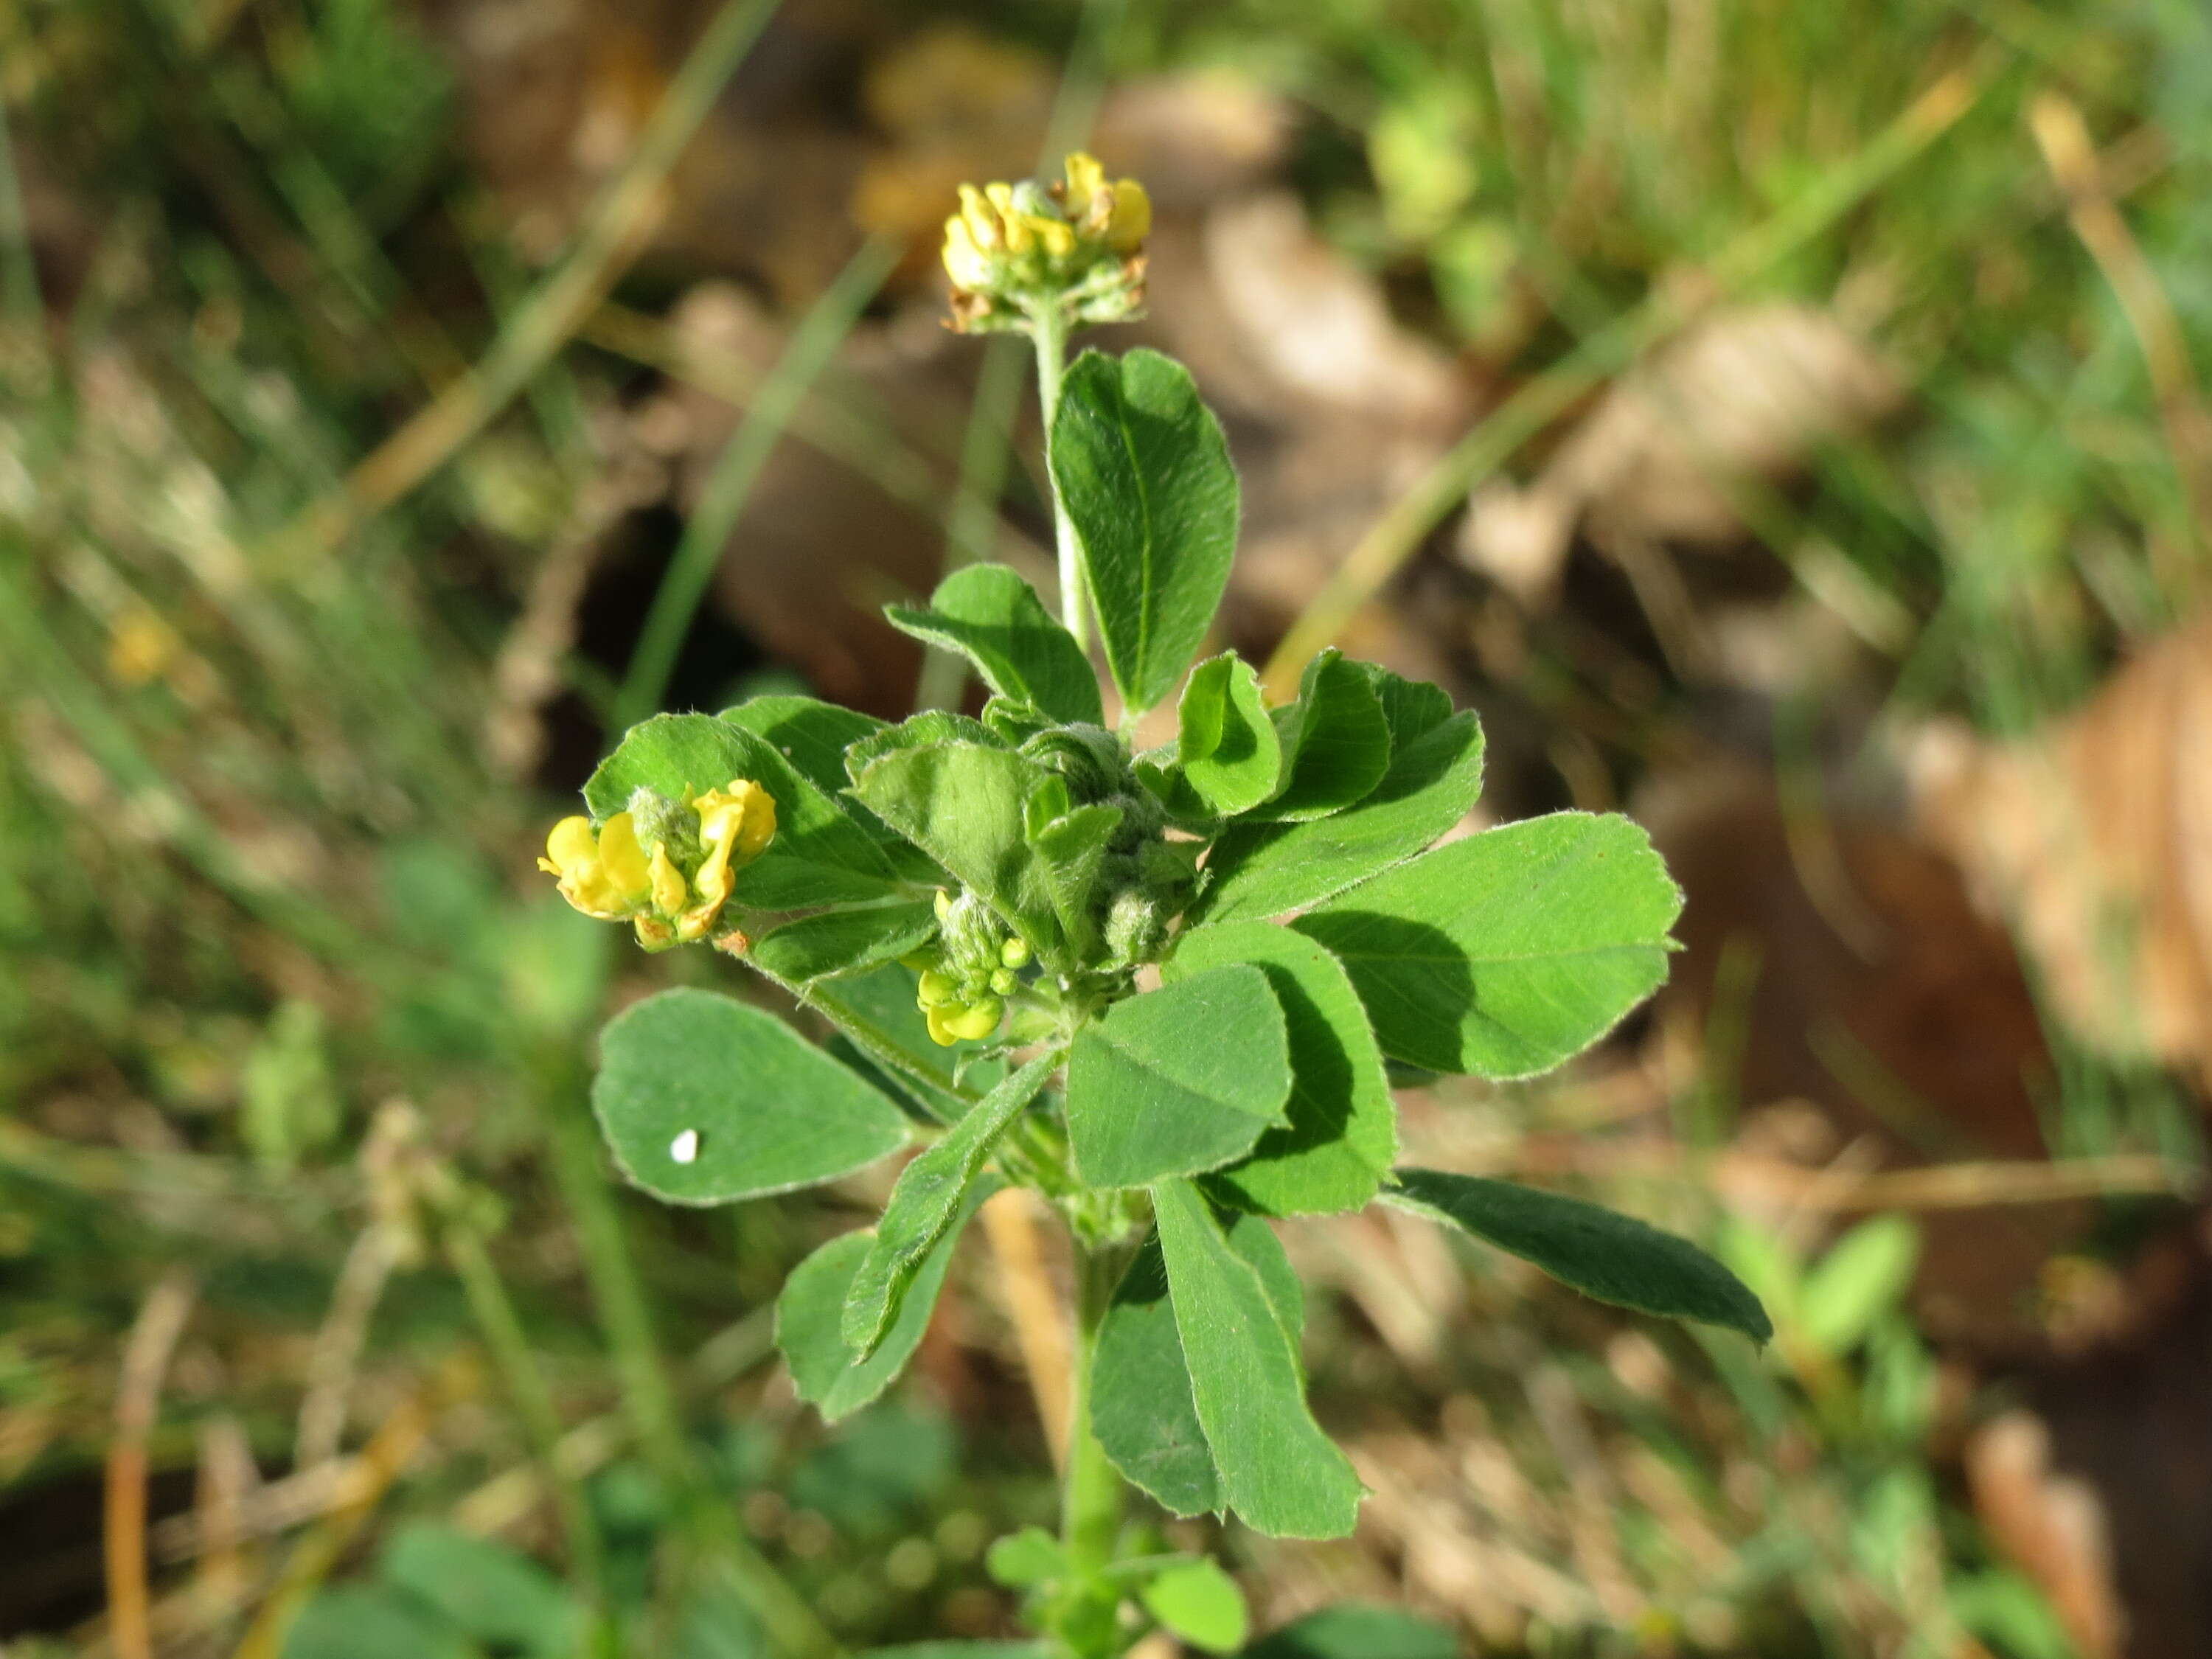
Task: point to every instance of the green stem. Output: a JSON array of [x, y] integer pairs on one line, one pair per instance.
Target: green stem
[[1049, 329], [1092, 1495], [496, 1316]]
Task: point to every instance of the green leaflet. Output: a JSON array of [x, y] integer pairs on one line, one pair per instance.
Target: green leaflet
[[820, 854], [1612, 1257], [494, 1595], [1336, 743], [1351, 1632], [1143, 469], [926, 730], [1141, 1407], [1072, 844], [962, 804], [1343, 1128], [994, 618], [704, 1100], [837, 942], [1030, 1557], [929, 1194], [1178, 1080], [1504, 953], [1259, 871], [1278, 1470], [369, 1621], [967, 1650], [813, 736], [1199, 1603], [1226, 746], [810, 1313], [1013, 722], [1411, 708]]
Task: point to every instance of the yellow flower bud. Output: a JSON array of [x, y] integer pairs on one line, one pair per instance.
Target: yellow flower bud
[[939, 1032], [936, 989], [977, 1022]]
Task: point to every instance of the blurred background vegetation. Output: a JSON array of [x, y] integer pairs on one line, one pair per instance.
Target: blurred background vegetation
[[1782, 420]]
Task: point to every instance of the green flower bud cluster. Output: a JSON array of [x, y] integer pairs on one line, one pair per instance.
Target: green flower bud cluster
[[1144, 880], [967, 976]]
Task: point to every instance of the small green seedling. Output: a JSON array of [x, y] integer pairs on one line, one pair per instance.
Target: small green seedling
[[1160, 988]]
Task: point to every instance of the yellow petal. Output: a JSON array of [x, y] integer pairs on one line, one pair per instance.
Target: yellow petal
[[623, 859], [939, 1032], [1085, 178], [981, 218], [968, 266], [571, 843], [1055, 235], [671, 893], [1132, 221]]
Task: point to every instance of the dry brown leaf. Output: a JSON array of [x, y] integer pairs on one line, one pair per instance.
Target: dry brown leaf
[[2095, 839], [1317, 321], [1746, 395], [2051, 1525]]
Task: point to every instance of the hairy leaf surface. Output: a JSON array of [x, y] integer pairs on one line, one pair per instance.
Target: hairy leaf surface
[[1504, 953], [1343, 1128], [1144, 472], [1178, 1080], [1612, 1257], [758, 1108], [992, 616]]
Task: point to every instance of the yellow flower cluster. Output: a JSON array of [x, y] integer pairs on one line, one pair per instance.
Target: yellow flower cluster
[[1078, 244], [670, 893], [968, 973]]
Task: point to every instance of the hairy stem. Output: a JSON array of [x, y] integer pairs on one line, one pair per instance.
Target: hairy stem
[[1091, 1497], [1050, 329]]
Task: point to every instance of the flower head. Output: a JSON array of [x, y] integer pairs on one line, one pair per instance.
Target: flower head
[[665, 866], [1014, 250]]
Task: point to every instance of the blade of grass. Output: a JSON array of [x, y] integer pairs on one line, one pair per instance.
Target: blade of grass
[[736, 470], [1398, 534], [615, 233]]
